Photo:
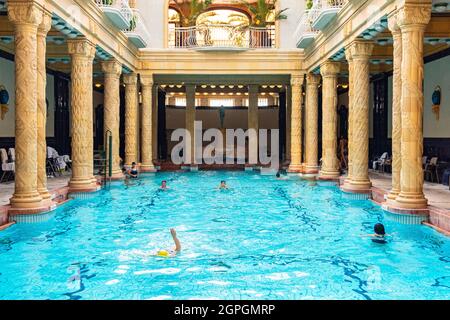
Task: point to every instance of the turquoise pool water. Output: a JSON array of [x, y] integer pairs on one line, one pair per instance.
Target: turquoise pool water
[[263, 239]]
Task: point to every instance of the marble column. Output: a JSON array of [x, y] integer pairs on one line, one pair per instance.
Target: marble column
[[147, 124], [288, 123], [360, 54], [112, 70], [330, 164], [412, 20], [26, 18], [190, 121], [296, 124], [82, 52], [253, 124], [312, 124], [131, 109], [396, 106], [351, 90], [43, 29]]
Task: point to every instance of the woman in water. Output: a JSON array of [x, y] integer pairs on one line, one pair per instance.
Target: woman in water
[[133, 172], [223, 185], [164, 185], [171, 252]]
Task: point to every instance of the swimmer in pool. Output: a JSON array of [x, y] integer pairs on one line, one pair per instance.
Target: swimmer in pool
[[223, 185], [173, 252], [164, 185], [279, 177], [380, 234], [133, 172]]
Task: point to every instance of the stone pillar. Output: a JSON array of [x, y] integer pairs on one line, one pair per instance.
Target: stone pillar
[[82, 52], [112, 70], [351, 90], [190, 119], [330, 163], [26, 18], [288, 123], [43, 29], [155, 116], [296, 124], [312, 124], [396, 107], [131, 109], [147, 124], [359, 179], [412, 20], [253, 125]]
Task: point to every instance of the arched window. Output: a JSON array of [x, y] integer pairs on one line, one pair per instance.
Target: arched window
[[174, 20]]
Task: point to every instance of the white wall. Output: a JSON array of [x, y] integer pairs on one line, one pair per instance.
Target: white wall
[[435, 73], [7, 78], [288, 27]]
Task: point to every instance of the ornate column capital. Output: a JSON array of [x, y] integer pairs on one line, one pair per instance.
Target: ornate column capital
[[297, 80], [393, 23], [46, 23], [361, 49], [25, 12], [417, 13], [112, 67], [329, 69], [81, 47], [146, 80], [348, 53], [130, 79], [312, 79]]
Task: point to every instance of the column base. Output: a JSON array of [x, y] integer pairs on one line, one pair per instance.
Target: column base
[[311, 170], [42, 208], [392, 195], [393, 208], [410, 201], [26, 201], [295, 168], [362, 187], [147, 168], [329, 175], [85, 185]]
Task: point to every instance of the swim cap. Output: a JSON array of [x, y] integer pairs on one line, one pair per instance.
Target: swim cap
[[163, 253]]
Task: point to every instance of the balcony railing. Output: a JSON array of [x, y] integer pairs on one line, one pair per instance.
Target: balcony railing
[[118, 11], [305, 32], [323, 11], [137, 31], [222, 37]]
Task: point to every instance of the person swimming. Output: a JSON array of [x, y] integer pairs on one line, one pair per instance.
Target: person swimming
[[171, 252], [380, 234], [133, 172], [164, 185], [279, 177], [223, 185]]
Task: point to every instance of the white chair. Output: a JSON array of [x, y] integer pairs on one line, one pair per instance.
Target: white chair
[[12, 154], [380, 162], [8, 168]]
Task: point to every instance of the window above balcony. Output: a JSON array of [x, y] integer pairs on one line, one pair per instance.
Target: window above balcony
[[219, 29], [118, 11]]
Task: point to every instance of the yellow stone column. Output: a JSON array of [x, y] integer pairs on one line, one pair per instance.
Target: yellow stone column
[[253, 124], [131, 109], [396, 107], [82, 52], [112, 70], [26, 17], [190, 120], [147, 124], [330, 165], [43, 29], [296, 124], [359, 179], [351, 90], [312, 124], [412, 20]]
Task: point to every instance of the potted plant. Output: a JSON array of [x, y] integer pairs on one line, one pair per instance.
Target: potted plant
[[263, 12]]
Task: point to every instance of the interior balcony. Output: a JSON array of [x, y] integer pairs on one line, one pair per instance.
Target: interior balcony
[[324, 11], [137, 31], [305, 33], [222, 37], [118, 11]]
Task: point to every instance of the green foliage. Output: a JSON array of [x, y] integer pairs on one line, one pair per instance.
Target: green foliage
[[262, 10], [309, 4], [196, 8]]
